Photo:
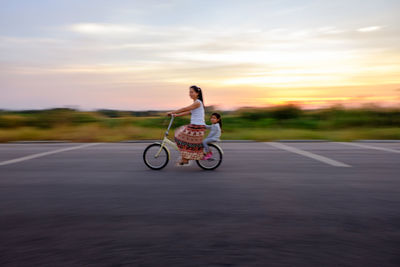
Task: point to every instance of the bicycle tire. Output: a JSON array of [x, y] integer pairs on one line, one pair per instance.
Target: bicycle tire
[[151, 166], [217, 165]]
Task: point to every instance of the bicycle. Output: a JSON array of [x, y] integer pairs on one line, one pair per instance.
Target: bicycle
[[157, 155]]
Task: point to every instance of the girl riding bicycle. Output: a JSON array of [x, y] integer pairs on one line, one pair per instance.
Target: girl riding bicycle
[[189, 137]]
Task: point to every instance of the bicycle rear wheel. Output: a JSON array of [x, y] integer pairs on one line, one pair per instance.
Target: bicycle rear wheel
[[153, 162], [213, 162]]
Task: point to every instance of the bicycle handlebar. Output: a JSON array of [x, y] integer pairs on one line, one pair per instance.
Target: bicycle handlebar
[[170, 123]]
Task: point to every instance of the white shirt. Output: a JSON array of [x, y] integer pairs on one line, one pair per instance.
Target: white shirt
[[197, 116]]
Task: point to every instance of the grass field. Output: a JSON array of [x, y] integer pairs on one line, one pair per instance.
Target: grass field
[[263, 124]]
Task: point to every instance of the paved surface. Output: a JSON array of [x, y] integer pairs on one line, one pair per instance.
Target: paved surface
[[266, 205]]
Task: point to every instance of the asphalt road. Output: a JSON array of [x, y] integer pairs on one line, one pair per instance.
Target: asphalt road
[[278, 204]]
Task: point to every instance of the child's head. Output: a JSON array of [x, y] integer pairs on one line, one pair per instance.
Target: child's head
[[216, 118]]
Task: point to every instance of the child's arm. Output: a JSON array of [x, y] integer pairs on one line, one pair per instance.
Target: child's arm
[[182, 114], [207, 126]]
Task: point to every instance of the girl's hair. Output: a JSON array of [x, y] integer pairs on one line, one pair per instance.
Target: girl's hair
[[218, 116], [198, 90]]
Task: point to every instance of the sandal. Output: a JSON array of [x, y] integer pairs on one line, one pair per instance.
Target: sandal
[[181, 163]]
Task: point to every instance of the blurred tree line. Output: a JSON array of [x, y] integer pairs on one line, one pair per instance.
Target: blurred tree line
[[288, 116], [291, 116]]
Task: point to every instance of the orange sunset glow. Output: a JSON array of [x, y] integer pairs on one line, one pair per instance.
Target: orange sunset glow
[[145, 56]]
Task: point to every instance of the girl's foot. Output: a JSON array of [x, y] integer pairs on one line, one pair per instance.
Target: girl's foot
[[183, 162], [207, 156]]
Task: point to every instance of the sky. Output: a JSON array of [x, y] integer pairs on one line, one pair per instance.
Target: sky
[[141, 55]]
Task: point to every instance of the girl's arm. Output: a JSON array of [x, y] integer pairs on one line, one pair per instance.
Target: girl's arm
[[195, 104], [182, 114]]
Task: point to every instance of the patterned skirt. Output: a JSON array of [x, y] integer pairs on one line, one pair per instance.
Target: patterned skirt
[[189, 139]]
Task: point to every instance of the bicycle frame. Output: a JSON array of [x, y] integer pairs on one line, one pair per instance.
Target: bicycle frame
[[171, 143], [167, 141]]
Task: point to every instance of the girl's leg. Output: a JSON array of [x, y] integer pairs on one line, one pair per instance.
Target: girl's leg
[[205, 144]]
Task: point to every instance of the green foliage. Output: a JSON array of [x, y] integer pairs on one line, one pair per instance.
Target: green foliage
[[332, 118], [278, 117], [161, 122], [278, 113], [45, 118], [109, 113], [112, 113]]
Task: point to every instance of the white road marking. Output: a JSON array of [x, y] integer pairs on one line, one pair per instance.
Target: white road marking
[[308, 154], [371, 147], [38, 155]]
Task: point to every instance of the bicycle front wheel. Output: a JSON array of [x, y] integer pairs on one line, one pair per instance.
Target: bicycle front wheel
[[155, 162], [213, 162]]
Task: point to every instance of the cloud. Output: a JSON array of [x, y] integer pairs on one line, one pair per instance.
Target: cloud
[[370, 29], [102, 28], [130, 52], [29, 40], [329, 30]]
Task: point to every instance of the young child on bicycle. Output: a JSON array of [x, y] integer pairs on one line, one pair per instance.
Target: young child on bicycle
[[213, 136]]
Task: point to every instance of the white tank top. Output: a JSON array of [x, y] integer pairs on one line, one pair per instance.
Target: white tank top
[[197, 116]]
